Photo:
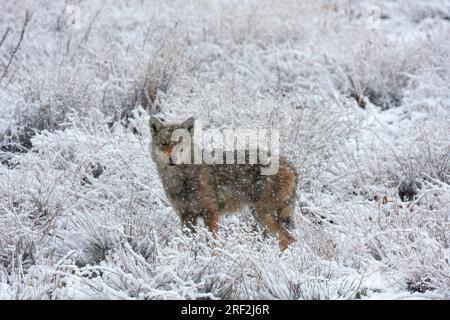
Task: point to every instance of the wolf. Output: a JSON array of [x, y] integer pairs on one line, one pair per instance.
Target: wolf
[[208, 191]]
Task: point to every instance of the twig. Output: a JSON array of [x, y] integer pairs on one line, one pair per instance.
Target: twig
[[91, 24], [424, 194], [5, 35], [22, 33]]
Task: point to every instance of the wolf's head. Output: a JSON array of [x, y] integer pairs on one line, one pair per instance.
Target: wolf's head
[[170, 141]]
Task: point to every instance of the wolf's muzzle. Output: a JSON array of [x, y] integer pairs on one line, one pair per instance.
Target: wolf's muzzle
[[171, 162]]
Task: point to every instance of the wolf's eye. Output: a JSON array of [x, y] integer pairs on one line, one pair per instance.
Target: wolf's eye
[[163, 143]]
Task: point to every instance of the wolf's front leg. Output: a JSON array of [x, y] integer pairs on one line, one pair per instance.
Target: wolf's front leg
[[188, 223], [212, 222]]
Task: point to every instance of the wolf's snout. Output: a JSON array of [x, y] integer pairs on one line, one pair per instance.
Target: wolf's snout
[[172, 161]]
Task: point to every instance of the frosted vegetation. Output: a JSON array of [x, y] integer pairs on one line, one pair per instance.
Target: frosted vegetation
[[362, 99]]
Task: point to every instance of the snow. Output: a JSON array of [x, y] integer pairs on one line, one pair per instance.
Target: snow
[[70, 232]]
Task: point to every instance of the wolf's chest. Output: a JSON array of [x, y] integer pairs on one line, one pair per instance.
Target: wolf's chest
[[181, 190]]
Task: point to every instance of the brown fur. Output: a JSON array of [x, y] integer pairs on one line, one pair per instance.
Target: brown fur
[[209, 191]]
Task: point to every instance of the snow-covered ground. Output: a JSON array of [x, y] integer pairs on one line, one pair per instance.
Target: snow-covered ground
[[360, 91]]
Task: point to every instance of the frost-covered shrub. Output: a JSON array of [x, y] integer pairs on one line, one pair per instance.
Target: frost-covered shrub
[[84, 215]]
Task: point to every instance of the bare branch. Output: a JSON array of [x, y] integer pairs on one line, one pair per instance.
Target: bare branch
[[22, 33], [5, 35]]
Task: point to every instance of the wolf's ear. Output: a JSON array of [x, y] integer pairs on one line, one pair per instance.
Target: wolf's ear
[[155, 125], [189, 124]]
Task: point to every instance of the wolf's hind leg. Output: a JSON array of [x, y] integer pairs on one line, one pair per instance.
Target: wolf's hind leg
[[267, 216], [285, 217]]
